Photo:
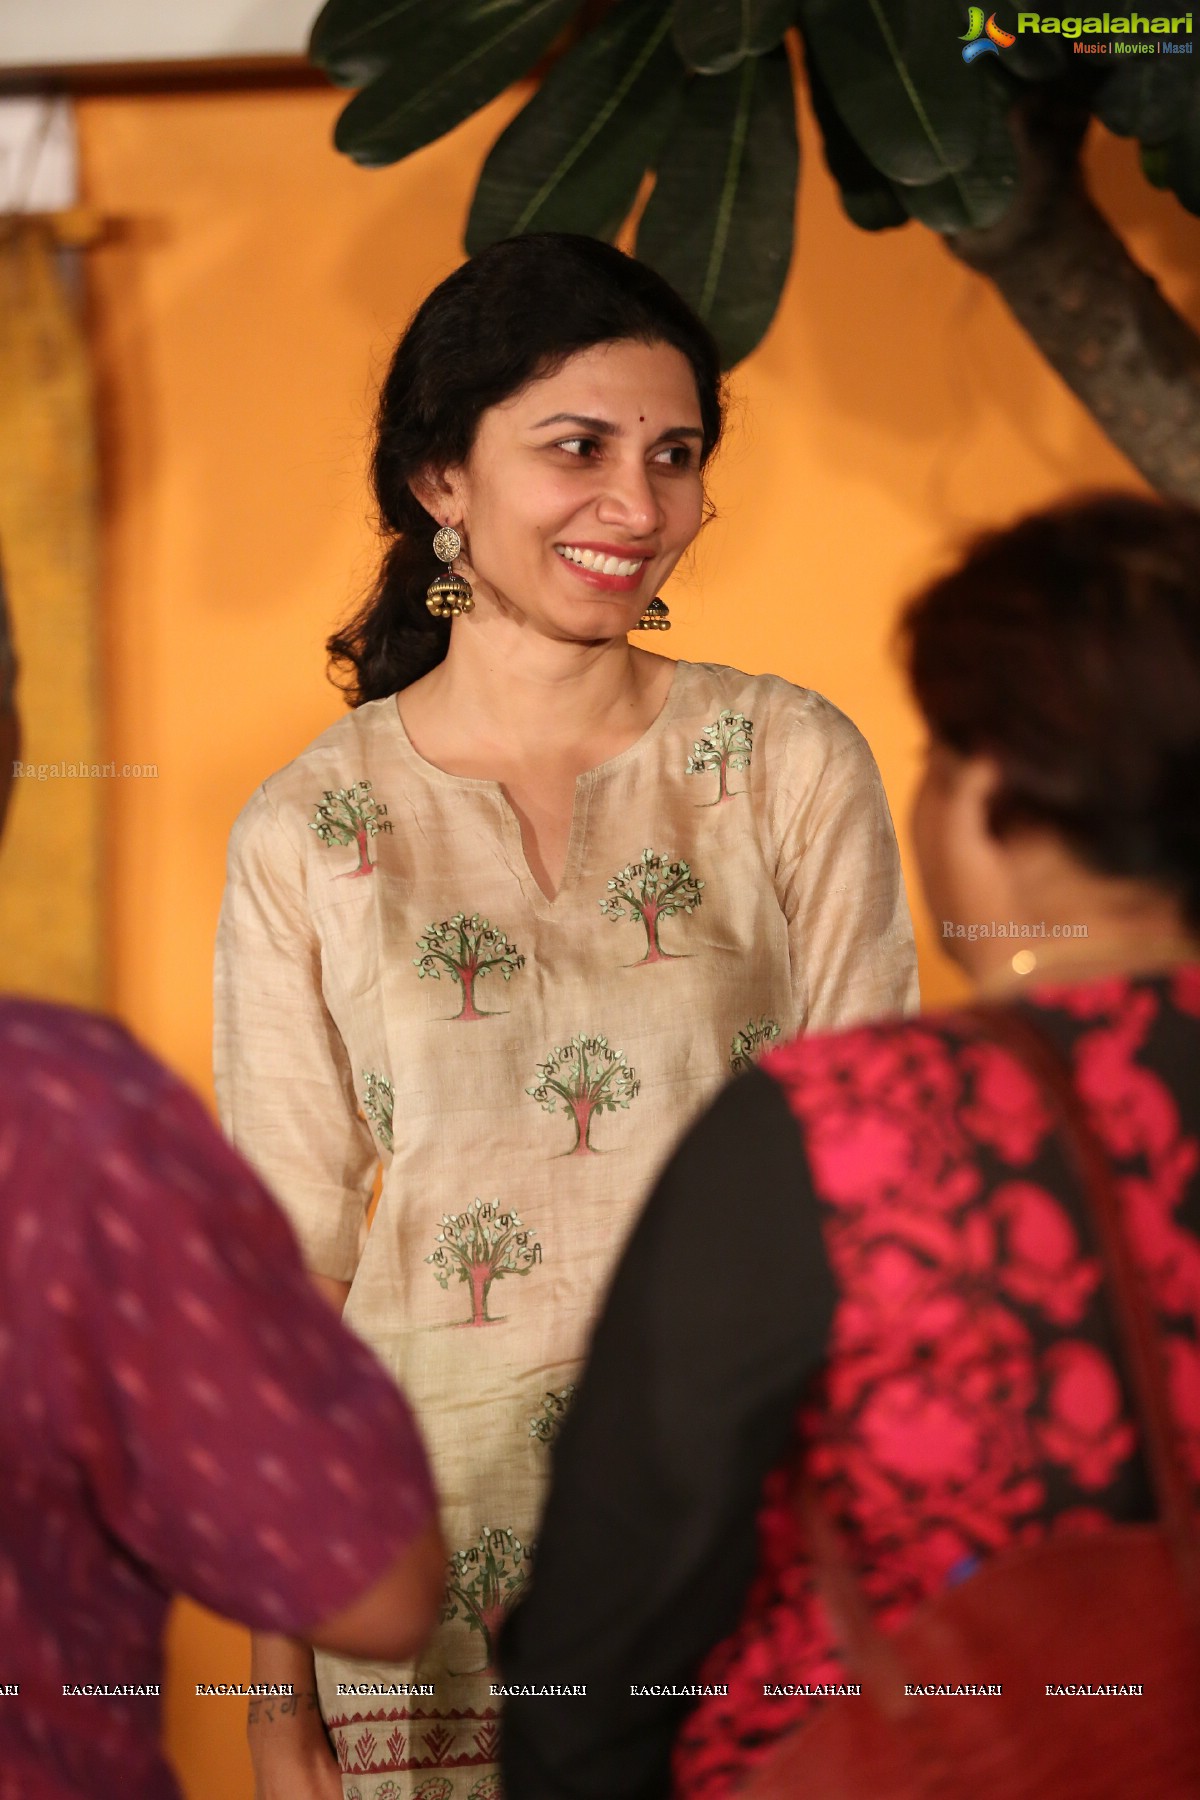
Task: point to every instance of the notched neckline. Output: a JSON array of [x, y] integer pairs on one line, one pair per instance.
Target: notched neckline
[[585, 783]]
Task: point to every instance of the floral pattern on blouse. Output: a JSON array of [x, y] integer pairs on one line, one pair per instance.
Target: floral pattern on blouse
[[971, 1399]]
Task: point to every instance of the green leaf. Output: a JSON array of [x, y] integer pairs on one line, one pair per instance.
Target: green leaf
[[354, 40], [1175, 163], [1036, 56], [896, 76], [870, 200], [574, 158], [715, 35], [979, 195], [1147, 97], [720, 220], [467, 54]]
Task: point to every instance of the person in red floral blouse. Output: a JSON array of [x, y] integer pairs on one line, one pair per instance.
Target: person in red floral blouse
[[872, 1247]]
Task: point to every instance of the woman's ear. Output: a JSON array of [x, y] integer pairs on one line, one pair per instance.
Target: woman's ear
[[979, 781], [438, 491]]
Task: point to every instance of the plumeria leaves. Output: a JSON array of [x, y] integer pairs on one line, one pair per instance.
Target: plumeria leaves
[[720, 220], [699, 95], [356, 40], [896, 69], [979, 195], [574, 157], [1175, 163], [869, 198], [713, 36], [426, 66], [1148, 97]]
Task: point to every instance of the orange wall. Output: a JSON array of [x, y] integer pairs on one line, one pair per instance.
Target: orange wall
[[241, 310]]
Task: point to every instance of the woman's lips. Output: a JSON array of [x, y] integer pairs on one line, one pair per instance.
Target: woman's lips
[[606, 560]]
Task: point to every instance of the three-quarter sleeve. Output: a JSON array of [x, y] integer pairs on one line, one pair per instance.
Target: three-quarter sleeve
[[839, 879], [716, 1320], [285, 1086]]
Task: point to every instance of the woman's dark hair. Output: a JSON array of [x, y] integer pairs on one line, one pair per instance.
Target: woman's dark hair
[[1067, 647], [516, 311]]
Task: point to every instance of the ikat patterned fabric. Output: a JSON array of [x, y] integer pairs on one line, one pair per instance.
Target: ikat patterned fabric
[[178, 1408]]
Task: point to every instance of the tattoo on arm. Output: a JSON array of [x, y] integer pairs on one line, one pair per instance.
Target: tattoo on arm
[[265, 1707]]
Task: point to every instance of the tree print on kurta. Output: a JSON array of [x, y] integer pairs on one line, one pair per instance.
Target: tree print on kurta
[[378, 1103], [727, 744], [545, 1425], [747, 1043], [351, 816], [481, 1246], [649, 891], [583, 1078], [481, 1583], [467, 949]]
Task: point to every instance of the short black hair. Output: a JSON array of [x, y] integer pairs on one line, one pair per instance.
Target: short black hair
[[1067, 647]]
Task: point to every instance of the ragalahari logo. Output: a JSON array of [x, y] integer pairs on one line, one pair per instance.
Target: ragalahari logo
[[984, 35]]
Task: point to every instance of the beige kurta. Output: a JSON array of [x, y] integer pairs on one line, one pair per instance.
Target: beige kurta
[[393, 984]]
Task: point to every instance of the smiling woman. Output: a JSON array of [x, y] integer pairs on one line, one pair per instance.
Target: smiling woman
[[618, 875]]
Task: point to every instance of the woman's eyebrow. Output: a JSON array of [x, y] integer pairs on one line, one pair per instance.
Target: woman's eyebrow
[[605, 427], [602, 427]]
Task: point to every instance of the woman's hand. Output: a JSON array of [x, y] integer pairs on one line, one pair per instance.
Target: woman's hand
[[290, 1751], [293, 1764]]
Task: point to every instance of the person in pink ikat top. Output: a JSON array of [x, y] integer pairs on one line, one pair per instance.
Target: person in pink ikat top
[[179, 1409]]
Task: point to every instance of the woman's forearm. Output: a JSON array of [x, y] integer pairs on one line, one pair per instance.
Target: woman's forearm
[[288, 1747], [283, 1662]]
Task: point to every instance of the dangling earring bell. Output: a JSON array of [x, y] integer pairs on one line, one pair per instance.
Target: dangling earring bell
[[448, 594], [657, 617]]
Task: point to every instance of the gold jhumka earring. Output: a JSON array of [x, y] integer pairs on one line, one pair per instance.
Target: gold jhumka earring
[[448, 594], [657, 617]]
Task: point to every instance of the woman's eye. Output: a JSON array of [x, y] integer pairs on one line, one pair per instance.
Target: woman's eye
[[578, 446], [675, 456]]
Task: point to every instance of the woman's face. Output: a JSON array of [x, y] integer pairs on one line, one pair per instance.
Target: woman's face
[[582, 491]]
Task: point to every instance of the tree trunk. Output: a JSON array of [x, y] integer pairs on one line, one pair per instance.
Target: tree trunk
[[493, 1619], [581, 1112], [467, 1009], [480, 1282], [650, 921], [1098, 319]]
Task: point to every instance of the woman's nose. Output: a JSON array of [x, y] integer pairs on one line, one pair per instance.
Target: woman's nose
[[629, 497]]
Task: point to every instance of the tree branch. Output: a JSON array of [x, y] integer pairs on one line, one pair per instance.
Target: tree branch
[[1099, 319]]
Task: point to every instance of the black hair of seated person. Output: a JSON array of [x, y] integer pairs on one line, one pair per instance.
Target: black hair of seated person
[[1067, 648], [515, 312]]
